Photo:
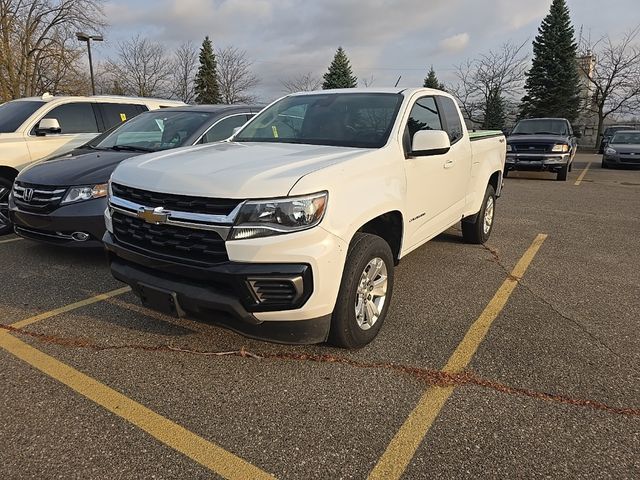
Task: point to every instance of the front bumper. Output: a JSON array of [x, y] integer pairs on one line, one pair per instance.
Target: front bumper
[[537, 162], [225, 293], [625, 160], [58, 226]]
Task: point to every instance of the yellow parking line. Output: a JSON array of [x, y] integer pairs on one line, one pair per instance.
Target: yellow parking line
[[584, 172], [10, 240], [71, 306], [406, 441], [208, 454]]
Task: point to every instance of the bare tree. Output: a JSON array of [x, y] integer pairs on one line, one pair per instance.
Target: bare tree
[[142, 68], [498, 72], [368, 82], [615, 78], [185, 64], [234, 75], [305, 82], [35, 48]]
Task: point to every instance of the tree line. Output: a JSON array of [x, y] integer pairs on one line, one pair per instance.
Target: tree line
[[39, 52]]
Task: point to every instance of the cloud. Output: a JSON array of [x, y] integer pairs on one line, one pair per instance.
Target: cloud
[[455, 43]]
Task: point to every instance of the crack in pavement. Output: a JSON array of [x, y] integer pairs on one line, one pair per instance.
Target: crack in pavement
[[432, 377], [496, 259]]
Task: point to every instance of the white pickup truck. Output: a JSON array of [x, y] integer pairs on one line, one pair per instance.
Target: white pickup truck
[[290, 230]]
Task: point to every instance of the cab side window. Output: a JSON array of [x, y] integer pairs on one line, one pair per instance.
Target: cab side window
[[75, 118], [224, 128], [116, 113], [451, 118], [424, 116]]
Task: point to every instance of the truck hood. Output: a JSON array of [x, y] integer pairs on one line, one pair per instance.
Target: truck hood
[[537, 138], [79, 167], [230, 169]]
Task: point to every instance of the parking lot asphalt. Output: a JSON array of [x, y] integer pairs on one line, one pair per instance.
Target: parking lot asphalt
[[542, 362]]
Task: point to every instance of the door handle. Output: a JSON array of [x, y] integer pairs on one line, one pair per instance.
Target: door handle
[[448, 164]]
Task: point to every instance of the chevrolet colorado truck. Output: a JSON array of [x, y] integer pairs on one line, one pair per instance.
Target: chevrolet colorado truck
[[542, 144], [290, 230]]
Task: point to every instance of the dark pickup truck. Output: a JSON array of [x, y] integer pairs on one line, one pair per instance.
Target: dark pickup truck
[[541, 144]]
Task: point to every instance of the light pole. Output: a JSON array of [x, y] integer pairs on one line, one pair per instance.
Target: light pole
[[84, 37]]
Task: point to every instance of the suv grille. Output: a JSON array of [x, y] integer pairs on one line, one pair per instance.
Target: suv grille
[[37, 198], [185, 243], [182, 203]]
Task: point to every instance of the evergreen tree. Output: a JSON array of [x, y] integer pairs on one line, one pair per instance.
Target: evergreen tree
[[494, 114], [553, 84], [339, 74], [206, 85], [431, 81]]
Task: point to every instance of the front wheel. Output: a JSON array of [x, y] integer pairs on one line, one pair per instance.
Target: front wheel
[[365, 292], [5, 224], [479, 229], [562, 173]]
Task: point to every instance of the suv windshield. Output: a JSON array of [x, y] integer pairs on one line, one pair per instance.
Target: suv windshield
[[611, 130], [541, 126], [15, 113], [628, 138], [153, 131], [344, 119]]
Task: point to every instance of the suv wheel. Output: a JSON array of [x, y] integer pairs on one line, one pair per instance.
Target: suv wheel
[[5, 224], [365, 292]]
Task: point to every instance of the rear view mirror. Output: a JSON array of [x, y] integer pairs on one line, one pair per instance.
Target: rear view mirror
[[48, 126], [430, 142]]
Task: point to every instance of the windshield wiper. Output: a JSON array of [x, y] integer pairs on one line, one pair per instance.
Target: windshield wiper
[[130, 148], [550, 133]]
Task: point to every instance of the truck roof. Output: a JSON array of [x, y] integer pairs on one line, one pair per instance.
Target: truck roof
[[372, 90]]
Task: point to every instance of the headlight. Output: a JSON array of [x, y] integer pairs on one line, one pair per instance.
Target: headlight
[[610, 151], [560, 147], [78, 194], [509, 149], [262, 218]]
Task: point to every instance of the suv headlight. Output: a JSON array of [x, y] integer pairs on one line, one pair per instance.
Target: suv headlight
[[560, 147], [78, 194], [262, 218], [610, 151]]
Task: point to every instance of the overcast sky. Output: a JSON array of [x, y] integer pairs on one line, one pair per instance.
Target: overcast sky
[[383, 39]]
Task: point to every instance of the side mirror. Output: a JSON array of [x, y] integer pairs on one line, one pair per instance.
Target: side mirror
[[48, 126], [577, 134], [430, 142]]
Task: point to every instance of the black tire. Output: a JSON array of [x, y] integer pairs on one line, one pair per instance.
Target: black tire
[[604, 164], [505, 174], [5, 188], [345, 330], [473, 230], [563, 173]]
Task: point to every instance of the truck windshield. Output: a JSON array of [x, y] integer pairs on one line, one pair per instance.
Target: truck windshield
[[13, 114], [153, 131], [628, 138], [341, 119], [541, 126]]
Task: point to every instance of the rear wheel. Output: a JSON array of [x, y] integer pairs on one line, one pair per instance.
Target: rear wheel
[[505, 174], [604, 164], [563, 173], [365, 292], [479, 229], [5, 188]]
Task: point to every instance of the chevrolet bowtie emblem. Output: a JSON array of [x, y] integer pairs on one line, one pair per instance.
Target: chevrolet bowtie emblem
[[156, 215]]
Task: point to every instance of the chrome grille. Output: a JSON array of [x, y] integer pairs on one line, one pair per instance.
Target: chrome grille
[[37, 198], [181, 203]]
